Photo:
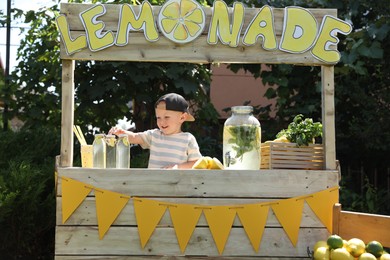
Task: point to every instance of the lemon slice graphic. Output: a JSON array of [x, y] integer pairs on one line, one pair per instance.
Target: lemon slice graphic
[[181, 21]]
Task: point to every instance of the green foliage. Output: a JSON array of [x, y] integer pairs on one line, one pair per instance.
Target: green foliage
[[24, 145], [27, 199], [302, 131], [36, 78], [368, 200]]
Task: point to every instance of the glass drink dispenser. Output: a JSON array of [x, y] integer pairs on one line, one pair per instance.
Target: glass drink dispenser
[[241, 140]]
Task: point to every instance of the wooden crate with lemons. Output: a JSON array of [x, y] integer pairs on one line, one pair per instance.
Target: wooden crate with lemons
[[274, 212], [295, 147]]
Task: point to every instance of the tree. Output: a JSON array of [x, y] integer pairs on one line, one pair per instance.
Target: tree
[[105, 91]]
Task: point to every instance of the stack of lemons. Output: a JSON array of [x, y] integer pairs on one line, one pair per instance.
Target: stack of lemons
[[335, 248], [208, 163]]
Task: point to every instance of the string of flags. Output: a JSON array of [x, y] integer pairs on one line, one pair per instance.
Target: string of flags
[[184, 217]]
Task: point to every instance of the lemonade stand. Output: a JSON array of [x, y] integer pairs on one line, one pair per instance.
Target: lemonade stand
[[180, 214]]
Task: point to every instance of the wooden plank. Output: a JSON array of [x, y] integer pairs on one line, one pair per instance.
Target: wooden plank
[[204, 183], [328, 117], [161, 257], [275, 155], [111, 17], [66, 159], [336, 218], [125, 241], [85, 214], [198, 51], [367, 227]]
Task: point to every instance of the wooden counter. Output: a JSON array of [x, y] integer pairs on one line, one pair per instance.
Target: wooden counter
[[78, 238]]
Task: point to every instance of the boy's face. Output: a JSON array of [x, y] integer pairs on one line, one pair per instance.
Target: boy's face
[[169, 121]]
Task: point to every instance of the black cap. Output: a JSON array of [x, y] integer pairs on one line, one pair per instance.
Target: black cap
[[175, 102]]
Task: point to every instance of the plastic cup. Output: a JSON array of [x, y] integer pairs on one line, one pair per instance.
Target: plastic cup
[[87, 156]]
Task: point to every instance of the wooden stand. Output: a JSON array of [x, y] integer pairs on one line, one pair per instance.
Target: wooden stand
[[78, 237]]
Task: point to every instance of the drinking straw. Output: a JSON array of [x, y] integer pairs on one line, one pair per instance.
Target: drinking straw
[[79, 136]]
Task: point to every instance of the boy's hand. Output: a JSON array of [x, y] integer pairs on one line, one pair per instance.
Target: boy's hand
[[116, 131]]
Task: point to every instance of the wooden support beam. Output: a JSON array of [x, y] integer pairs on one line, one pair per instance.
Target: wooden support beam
[[328, 116], [67, 113]]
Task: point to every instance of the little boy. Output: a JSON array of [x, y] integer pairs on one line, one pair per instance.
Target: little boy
[[169, 146]]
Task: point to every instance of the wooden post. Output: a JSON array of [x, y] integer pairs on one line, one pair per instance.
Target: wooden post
[[328, 116], [67, 113], [336, 218]]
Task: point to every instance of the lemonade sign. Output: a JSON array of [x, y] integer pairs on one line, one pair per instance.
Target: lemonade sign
[[183, 21]]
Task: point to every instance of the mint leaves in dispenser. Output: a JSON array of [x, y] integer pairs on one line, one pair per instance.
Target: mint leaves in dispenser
[[241, 140]]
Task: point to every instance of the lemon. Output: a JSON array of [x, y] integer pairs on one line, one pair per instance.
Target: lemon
[[201, 163], [355, 247], [385, 256], [321, 243], [215, 164], [334, 241], [375, 248], [282, 139], [181, 21], [321, 253], [367, 256], [340, 254]]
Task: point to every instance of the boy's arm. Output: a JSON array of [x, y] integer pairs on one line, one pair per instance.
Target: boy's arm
[[186, 165], [134, 138]]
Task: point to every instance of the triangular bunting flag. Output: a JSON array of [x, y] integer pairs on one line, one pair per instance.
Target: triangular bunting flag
[[322, 205], [253, 218], [73, 194], [148, 214], [108, 206], [289, 214], [184, 218], [220, 220]]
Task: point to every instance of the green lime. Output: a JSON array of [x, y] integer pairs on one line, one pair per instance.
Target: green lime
[[335, 241], [375, 248]]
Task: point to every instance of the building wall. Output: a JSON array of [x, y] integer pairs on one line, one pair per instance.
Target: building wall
[[233, 89]]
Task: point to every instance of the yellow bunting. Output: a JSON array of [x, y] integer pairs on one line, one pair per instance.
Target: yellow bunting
[[184, 218], [73, 194], [148, 214], [289, 214], [108, 206], [322, 205], [220, 220], [253, 218]]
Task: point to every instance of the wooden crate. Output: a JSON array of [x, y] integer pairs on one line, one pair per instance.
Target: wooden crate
[[275, 155], [365, 226]]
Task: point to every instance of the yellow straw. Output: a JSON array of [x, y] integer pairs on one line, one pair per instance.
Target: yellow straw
[[81, 134], [79, 137]]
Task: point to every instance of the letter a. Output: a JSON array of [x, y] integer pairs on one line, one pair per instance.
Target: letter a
[[261, 26]]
